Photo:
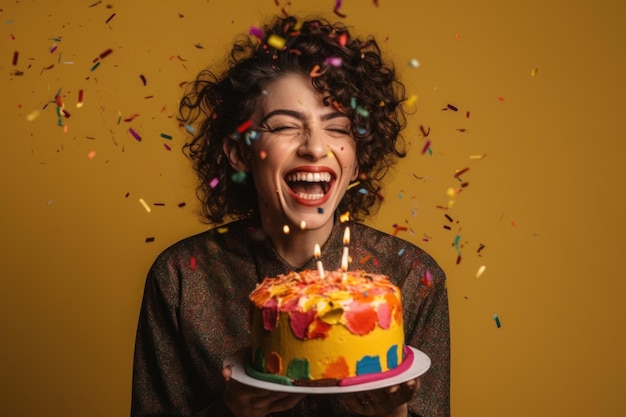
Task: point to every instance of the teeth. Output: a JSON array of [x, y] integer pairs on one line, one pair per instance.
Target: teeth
[[310, 196], [309, 176]]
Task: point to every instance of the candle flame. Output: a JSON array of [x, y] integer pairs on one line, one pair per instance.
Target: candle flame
[[317, 251], [344, 261], [346, 236]]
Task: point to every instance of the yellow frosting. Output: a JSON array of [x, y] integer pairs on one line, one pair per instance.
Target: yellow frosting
[[308, 328]]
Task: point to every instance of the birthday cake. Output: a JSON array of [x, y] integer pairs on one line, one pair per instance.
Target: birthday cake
[[340, 329]]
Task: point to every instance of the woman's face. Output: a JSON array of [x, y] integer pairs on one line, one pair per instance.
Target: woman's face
[[304, 158]]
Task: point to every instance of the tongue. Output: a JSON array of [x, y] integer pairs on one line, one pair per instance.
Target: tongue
[[306, 187]]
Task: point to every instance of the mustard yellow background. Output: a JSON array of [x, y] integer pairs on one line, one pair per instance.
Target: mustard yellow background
[[542, 82]]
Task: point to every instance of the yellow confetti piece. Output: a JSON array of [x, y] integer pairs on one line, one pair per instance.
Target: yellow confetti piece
[[222, 230], [276, 41], [412, 100], [354, 184], [480, 271], [32, 115], [533, 72], [477, 156], [145, 205], [451, 192]]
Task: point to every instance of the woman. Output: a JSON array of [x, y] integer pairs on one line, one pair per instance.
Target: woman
[[296, 134]]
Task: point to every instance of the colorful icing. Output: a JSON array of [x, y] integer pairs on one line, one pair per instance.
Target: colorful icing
[[335, 372], [368, 365], [298, 368], [392, 357], [317, 329]]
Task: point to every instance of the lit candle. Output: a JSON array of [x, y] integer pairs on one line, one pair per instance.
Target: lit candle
[[318, 260], [344, 257]]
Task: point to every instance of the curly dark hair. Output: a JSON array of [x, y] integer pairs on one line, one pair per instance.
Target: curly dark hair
[[350, 71]]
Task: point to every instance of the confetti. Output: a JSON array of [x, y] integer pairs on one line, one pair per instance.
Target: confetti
[[336, 9], [166, 136], [32, 115], [80, 99], [344, 217], [192, 263], [91, 155], [334, 61], [286, 229], [302, 225], [533, 72], [105, 53], [109, 19], [354, 184], [143, 79], [96, 65], [343, 39], [135, 134], [315, 72], [497, 320], [480, 271], [244, 126], [182, 204], [222, 230], [427, 279], [412, 100], [256, 32], [426, 147], [239, 177], [414, 63], [149, 239], [16, 55], [145, 205], [451, 107], [365, 258], [461, 172], [276, 41]]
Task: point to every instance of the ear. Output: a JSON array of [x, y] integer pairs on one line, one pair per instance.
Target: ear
[[236, 156]]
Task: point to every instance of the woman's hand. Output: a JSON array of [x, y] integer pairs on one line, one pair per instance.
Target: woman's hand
[[246, 401], [384, 402]]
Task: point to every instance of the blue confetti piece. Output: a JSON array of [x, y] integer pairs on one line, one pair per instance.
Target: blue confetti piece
[[497, 320]]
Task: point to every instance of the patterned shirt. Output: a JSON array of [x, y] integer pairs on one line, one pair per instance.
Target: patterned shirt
[[195, 307]]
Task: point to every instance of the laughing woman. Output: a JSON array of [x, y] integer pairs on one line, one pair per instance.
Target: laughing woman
[[298, 115]]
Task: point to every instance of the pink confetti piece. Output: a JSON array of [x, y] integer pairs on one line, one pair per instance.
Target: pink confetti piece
[[214, 182], [334, 61], [135, 134]]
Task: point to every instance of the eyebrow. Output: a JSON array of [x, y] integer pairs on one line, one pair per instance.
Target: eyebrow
[[300, 116]]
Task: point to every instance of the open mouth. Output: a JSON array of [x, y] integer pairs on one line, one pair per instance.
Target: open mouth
[[309, 186]]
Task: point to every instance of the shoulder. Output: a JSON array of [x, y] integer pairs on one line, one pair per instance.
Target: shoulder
[[211, 243], [393, 255]]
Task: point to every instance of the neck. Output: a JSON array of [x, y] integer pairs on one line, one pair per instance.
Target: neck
[[296, 247]]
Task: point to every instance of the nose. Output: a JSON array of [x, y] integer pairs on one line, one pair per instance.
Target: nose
[[313, 145]]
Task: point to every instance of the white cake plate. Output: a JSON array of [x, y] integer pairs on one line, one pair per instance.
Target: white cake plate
[[421, 363]]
